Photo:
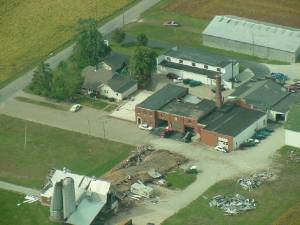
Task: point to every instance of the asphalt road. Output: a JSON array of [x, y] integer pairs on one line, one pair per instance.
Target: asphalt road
[[128, 16], [18, 188]]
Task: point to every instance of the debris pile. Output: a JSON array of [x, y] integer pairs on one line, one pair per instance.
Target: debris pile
[[233, 205], [294, 157], [254, 181], [145, 165]]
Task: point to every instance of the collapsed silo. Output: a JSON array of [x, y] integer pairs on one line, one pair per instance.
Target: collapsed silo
[[69, 202], [56, 208]]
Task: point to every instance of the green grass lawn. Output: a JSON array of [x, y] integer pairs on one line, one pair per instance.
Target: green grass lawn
[[31, 30], [49, 147], [179, 179], [187, 35], [94, 103], [26, 214], [273, 199], [41, 103]]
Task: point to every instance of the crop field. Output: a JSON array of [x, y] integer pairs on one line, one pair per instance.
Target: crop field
[[277, 201], [280, 12], [48, 147], [26, 214], [31, 30]]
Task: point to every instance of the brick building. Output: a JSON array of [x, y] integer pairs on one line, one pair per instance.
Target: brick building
[[213, 122]]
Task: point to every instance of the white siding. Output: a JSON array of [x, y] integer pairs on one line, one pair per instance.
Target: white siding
[[249, 132], [105, 90], [292, 138]]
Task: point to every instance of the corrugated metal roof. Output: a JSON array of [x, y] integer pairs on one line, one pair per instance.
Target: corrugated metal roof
[[254, 32]]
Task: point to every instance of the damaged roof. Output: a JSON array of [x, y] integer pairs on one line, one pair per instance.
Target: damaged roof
[[163, 97], [231, 120]]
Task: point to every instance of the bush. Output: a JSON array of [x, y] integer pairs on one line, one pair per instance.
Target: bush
[[142, 39], [118, 35]]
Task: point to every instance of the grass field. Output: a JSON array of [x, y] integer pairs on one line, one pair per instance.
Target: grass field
[[273, 200], [49, 147], [179, 179], [192, 24], [280, 12], [26, 214], [31, 29]]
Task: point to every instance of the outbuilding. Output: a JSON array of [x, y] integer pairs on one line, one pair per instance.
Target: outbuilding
[[252, 37]]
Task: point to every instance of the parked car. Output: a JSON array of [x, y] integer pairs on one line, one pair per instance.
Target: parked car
[[166, 133], [171, 23], [75, 108], [187, 137], [221, 149], [177, 80], [145, 126], [172, 76], [186, 81], [195, 83], [279, 76]]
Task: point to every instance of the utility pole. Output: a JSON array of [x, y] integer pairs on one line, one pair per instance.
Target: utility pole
[[123, 17], [89, 124], [25, 136], [103, 124]]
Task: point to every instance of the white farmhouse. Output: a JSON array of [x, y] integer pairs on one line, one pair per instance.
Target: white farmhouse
[[192, 64]]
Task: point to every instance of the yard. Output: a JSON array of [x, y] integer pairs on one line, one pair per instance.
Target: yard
[[26, 214], [47, 147], [31, 30], [179, 179], [279, 198], [193, 18]]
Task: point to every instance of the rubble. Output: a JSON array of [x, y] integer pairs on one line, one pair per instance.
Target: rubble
[[145, 165], [254, 181], [141, 190], [294, 157], [233, 205]]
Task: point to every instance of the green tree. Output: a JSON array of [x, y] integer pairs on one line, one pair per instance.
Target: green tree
[[41, 83], [142, 65], [142, 39], [118, 35], [67, 81], [90, 48]]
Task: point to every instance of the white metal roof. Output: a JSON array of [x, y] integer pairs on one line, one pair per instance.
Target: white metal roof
[[254, 32]]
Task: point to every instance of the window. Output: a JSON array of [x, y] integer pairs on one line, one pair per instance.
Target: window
[[180, 61], [169, 59], [205, 66], [219, 69], [193, 64]]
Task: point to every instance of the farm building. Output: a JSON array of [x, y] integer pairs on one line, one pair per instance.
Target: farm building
[[211, 121], [253, 37], [192, 64], [267, 96], [292, 127]]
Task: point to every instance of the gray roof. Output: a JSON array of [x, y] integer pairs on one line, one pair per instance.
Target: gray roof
[[262, 94], [199, 57], [285, 104], [115, 60], [190, 110], [163, 97], [92, 79], [231, 121], [252, 31], [120, 83], [192, 69]]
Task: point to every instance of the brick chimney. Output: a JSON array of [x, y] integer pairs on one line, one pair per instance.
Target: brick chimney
[[219, 98]]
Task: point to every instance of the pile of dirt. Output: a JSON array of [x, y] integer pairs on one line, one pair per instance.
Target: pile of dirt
[[138, 165]]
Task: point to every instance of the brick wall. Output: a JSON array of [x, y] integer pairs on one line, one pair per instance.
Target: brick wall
[[146, 116]]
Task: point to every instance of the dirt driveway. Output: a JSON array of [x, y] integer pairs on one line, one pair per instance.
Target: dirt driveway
[[215, 166]]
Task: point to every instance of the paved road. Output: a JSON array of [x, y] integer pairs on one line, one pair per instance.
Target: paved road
[[17, 188], [130, 15]]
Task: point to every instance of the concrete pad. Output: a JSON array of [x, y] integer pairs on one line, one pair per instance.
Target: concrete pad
[[126, 110]]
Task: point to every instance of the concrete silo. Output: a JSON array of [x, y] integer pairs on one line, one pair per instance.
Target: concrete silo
[[68, 193], [56, 208]]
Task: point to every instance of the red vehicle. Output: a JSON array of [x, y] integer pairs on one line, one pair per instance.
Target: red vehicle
[[166, 132]]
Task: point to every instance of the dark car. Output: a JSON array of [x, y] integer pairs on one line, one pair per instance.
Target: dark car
[[172, 76], [187, 137], [166, 133]]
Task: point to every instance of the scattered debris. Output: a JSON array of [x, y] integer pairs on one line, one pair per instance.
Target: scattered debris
[[29, 199], [293, 157], [192, 170], [233, 205], [254, 181], [141, 190], [146, 165]]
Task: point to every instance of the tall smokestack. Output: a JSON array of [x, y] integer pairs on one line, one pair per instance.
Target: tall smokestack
[[219, 98]]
